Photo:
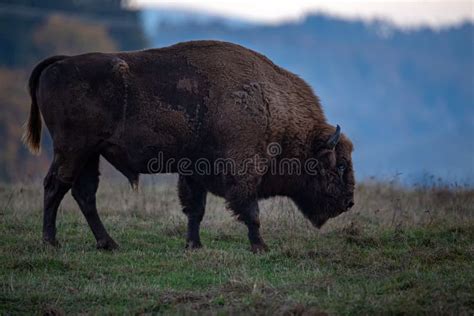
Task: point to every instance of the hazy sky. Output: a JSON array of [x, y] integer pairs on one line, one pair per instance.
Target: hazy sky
[[405, 13]]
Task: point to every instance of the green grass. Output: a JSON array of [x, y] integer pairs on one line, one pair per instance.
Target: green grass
[[362, 263]]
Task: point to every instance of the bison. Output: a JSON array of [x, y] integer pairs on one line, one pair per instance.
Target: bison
[[195, 100]]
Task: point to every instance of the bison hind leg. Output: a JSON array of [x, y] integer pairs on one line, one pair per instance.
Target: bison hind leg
[[54, 191], [84, 192], [64, 169]]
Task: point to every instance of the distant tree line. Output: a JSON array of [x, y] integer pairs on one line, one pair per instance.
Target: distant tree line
[[20, 20]]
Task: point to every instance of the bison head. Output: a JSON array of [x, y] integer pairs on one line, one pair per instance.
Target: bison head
[[330, 191]]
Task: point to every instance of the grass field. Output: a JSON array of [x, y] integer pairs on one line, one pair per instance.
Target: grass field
[[397, 251]]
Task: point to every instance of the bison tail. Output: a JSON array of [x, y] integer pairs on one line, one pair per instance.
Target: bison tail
[[32, 134]]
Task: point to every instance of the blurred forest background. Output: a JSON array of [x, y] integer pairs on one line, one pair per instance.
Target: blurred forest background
[[405, 97], [33, 30]]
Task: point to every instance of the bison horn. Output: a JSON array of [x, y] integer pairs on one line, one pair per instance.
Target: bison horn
[[334, 139]]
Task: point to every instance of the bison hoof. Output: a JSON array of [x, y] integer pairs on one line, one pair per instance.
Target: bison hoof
[[191, 244], [259, 248], [51, 242], [107, 244]]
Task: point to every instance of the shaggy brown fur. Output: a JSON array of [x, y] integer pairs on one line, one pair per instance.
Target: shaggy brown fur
[[202, 99]]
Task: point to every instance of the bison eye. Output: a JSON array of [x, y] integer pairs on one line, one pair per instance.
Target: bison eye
[[341, 168]]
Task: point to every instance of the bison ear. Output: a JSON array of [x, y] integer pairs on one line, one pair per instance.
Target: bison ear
[[334, 138]]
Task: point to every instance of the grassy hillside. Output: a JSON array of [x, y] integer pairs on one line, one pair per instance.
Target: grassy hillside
[[398, 251]]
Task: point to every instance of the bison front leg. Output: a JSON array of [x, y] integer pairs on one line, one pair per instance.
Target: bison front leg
[[84, 190], [241, 196], [193, 199], [242, 199], [248, 213]]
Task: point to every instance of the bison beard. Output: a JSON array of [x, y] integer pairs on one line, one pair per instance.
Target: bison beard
[[195, 100]]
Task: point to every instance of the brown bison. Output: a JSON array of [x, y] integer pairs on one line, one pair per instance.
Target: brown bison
[[193, 101]]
